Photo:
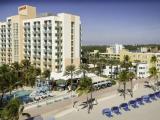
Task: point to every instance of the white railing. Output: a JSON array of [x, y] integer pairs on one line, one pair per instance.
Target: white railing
[[47, 101]]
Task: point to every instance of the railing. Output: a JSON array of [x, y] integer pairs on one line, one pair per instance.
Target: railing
[[48, 101]]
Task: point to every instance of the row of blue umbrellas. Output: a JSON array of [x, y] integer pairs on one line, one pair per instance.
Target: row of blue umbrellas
[[133, 103]]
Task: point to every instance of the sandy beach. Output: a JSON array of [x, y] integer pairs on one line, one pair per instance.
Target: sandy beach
[[147, 111]]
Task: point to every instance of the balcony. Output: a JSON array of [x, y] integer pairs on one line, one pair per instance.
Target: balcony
[[58, 35], [45, 44], [9, 22], [36, 38], [39, 57], [34, 26], [27, 44], [45, 63], [49, 38], [9, 43], [49, 51], [45, 57], [26, 26], [49, 57], [49, 63], [45, 25], [27, 55], [58, 41], [49, 31], [36, 32], [45, 32], [38, 44], [38, 25]]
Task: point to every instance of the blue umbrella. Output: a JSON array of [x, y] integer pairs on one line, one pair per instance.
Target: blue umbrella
[[124, 106], [152, 96], [146, 98], [107, 112], [140, 101], [115, 109], [133, 103]]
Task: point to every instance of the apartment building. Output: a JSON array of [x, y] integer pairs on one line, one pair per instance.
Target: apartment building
[[143, 57], [11, 35], [48, 41], [114, 70], [142, 70], [112, 52]]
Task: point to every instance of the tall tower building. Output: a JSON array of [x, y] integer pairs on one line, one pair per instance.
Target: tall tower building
[[48, 41], [11, 35]]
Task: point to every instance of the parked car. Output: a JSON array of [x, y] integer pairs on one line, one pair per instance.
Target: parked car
[[102, 84]]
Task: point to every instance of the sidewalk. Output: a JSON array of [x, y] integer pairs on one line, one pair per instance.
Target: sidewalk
[[61, 106]]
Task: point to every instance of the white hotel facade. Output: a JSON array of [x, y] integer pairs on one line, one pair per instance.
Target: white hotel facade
[[48, 41]]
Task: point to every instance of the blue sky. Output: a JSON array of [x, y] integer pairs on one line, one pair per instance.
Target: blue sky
[[103, 21]]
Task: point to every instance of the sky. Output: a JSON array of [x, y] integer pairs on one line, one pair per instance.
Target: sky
[[103, 21]]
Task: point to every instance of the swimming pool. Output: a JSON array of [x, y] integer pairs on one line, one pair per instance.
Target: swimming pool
[[23, 95]]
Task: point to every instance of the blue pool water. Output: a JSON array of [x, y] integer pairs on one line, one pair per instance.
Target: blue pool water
[[22, 93]]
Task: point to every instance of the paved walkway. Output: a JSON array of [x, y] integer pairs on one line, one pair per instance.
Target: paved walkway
[[150, 111], [58, 108], [145, 112]]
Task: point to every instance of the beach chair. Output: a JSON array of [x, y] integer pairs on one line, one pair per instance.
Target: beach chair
[[140, 101], [157, 94], [124, 106], [152, 96], [107, 112], [116, 110], [146, 98], [133, 103]]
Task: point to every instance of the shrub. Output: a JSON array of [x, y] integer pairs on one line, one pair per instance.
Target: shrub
[[113, 82]]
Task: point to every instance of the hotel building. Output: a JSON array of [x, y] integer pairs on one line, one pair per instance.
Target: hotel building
[[11, 35], [48, 41]]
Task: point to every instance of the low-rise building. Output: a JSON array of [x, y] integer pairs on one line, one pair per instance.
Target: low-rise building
[[111, 71], [142, 70], [112, 52], [142, 57]]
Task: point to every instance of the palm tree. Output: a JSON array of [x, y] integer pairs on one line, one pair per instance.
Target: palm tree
[[84, 68], [153, 60], [112, 62], [30, 76], [12, 80], [116, 71], [13, 110], [154, 73], [126, 63], [126, 58], [16, 67], [25, 64], [85, 87], [4, 77], [100, 65], [94, 60], [131, 75], [70, 71], [123, 78], [46, 73]]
